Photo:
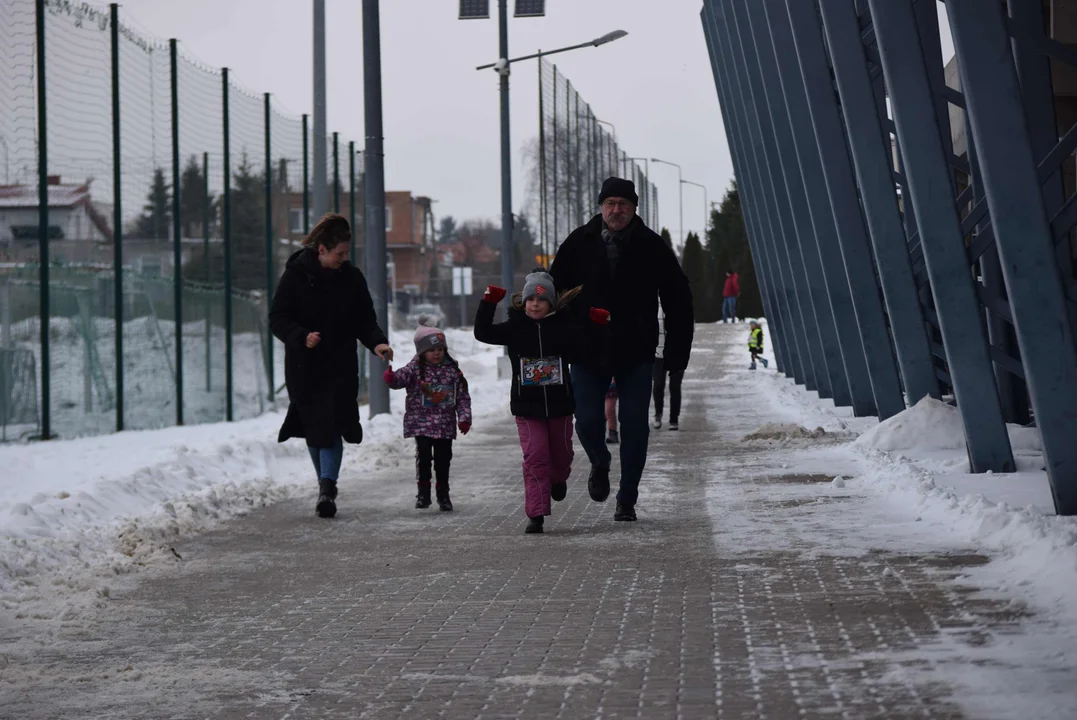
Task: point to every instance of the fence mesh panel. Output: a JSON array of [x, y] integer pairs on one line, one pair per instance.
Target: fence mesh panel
[[74, 386], [575, 154]]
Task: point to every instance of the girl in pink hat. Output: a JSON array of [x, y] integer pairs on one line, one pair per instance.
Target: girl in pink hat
[[437, 404]]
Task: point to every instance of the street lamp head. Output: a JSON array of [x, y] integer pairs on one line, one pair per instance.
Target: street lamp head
[[609, 37]]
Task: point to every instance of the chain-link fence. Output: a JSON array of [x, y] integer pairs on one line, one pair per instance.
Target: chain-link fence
[[135, 296], [575, 154]]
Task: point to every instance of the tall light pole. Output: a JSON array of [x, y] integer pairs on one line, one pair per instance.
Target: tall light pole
[[706, 207], [374, 193], [320, 180], [502, 67], [680, 194]]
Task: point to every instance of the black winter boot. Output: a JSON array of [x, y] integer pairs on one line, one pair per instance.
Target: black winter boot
[[598, 484], [534, 525], [422, 499], [444, 503], [327, 495], [625, 513]]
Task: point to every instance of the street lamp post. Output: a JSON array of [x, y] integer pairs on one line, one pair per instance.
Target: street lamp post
[[502, 68], [680, 194], [706, 219], [320, 190]]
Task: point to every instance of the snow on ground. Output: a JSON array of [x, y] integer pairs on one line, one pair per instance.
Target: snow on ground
[[909, 477], [76, 514]]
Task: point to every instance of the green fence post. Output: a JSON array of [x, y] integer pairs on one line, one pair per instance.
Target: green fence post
[[205, 255], [306, 175], [177, 247], [336, 173], [269, 246], [351, 199], [117, 214], [226, 227]]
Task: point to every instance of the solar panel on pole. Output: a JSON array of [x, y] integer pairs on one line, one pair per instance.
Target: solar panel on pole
[[530, 8], [474, 9]]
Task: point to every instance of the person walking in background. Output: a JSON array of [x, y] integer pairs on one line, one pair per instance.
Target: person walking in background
[[321, 307], [730, 293], [675, 377], [437, 404], [612, 437], [755, 345], [543, 336], [625, 267]]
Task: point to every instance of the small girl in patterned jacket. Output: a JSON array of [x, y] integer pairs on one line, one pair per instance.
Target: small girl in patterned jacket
[[437, 404]]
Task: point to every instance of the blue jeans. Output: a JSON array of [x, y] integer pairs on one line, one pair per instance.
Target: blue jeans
[[729, 309], [634, 403], [327, 460]]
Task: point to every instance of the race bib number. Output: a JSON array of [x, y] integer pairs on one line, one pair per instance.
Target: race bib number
[[537, 372], [438, 396]]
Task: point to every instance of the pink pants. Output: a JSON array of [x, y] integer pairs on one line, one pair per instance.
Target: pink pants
[[547, 446]]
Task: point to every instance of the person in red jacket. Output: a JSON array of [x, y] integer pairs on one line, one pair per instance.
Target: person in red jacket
[[730, 294]]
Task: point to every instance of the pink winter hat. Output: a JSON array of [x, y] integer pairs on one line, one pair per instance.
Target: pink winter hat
[[428, 337]]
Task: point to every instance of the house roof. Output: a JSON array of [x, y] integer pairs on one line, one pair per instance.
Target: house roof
[[26, 197]]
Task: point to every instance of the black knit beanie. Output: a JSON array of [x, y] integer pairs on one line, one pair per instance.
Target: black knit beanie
[[618, 187]]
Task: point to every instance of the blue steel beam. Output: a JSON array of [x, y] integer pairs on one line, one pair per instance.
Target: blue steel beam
[[825, 258], [735, 153], [875, 173], [931, 184], [1034, 75], [754, 205], [845, 204], [800, 243], [751, 144], [1022, 236]]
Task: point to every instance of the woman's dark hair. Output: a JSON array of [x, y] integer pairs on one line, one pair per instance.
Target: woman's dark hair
[[330, 231]]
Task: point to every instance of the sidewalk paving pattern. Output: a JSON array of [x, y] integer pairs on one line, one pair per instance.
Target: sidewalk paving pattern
[[390, 612]]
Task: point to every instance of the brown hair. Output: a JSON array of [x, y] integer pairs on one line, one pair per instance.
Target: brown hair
[[330, 231]]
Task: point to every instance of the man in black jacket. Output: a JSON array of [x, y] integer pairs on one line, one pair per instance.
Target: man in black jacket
[[624, 267]]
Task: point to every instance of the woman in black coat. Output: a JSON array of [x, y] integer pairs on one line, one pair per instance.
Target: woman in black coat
[[321, 307]]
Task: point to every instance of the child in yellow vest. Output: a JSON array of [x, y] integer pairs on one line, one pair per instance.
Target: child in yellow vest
[[755, 345]]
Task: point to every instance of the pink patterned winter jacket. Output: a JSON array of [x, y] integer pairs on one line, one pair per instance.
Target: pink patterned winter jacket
[[437, 398]]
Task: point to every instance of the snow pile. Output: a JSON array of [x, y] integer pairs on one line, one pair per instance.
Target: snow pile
[[784, 431], [929, 425], [75, 513]]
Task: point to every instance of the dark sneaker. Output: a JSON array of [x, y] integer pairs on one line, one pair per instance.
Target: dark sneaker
[[613, 438], [765, 363], [657, 423], [558, 491], [422, 499], [445, 505], [327, 495], [625, 513], [598, 484], [673, 425], [534, 525]]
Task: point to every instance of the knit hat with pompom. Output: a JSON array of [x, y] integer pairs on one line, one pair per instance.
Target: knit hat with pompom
[[428, 337]]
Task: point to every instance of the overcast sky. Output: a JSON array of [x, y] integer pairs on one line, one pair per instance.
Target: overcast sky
[[441, 115]]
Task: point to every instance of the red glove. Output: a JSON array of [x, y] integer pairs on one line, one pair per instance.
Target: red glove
[[387, 376], [600, 316], [464, 426], [493, 294]]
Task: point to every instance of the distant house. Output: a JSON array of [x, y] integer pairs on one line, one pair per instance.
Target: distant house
[[72, 214], [409, 234]]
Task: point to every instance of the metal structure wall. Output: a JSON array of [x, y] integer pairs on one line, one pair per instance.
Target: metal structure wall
[[911, 221]]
